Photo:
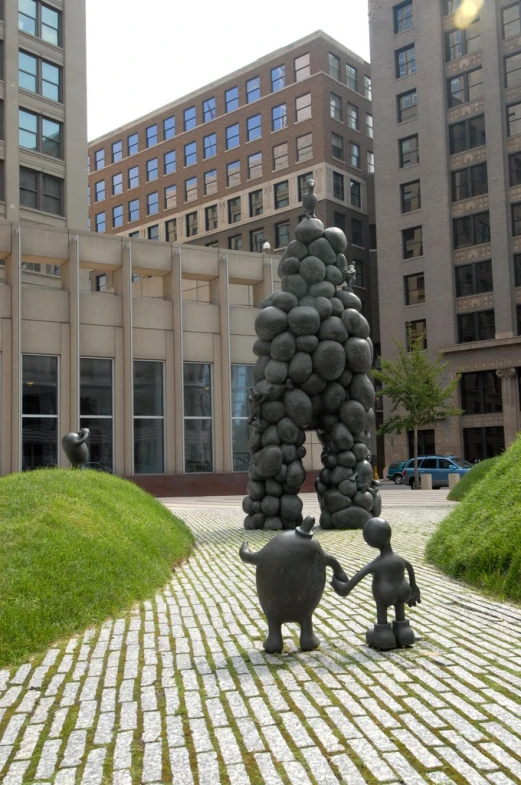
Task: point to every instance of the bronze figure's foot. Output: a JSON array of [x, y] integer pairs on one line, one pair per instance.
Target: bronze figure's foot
[[381, 637], [403, 633]]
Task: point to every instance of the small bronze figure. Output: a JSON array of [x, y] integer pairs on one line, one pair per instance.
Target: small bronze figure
[[389, 588], [309, 200], [75, 448], [291, 575]]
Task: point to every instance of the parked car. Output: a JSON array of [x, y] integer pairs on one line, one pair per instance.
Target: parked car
[[394, 472], [439, 466]]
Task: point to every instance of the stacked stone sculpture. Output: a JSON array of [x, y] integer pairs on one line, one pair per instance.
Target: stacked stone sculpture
[[75, 448], [314, 355]]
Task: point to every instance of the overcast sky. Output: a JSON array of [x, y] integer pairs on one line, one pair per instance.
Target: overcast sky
[[142, 54]]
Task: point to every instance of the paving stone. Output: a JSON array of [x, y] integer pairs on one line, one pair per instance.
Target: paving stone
[[404, 769], [503, 757], [21, 674], [369, 756], [461, 766], [200, 736], [325, 735], [93, 772], [105, 728], [128, 717], [180, 765], [276, 743], [216, 713], [152, 762], [86, 714], [74, 749], [122, 752], [208, 768], [378, 738], [65, 777], [267, 769], [29, 742], [13, 729], [416, 748], [57, 723], [461, 725], [469, 751], [151, 726], [15, 774]]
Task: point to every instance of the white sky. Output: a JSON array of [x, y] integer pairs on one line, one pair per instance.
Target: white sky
[[142, 54]]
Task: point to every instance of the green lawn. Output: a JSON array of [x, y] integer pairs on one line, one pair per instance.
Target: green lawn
[[75, 548], [468, 480], [480, 541]]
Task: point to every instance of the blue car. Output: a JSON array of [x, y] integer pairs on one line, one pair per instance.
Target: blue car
[[439, 466]]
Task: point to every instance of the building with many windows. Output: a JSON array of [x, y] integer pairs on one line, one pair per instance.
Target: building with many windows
[[447, 107]]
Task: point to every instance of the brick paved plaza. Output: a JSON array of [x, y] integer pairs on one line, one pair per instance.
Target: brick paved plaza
[[181, 691]]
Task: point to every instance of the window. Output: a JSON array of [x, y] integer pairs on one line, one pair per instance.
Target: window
[[516, 219], [473, 278], [407, 106], [171, 230], [191, 224], [254, 166], [482, 443], [209, 111], [279, 117], [337, 146], [354, 155], [168, 128], [42, 21], [96, 408], [303, 107], [190, 153], [117, 151], [335, 106], [99, 191], [469, 182], [466, 87], [133, 177], [149, 418], [101, 222], [356, 193], [514, 119], [517, 269], [302, 184], [134, 234], [467, 135], [152, 169], [414, 330], [513, 69], [338, 186], [235, 244], [370, 162], [132, 144], [462, 42], [414, 289], [334, 66], [39, 411], [233, 173], [412, 241], [360, 274], [253, 92], [372, 237], [234, 210], [352, 77], [253, 128], [282, 237], [368, 88], [511, 20], [304, 147], [232, 136], [170, 197], [40, 134], [99, 159], [471, 230], [302, 67], [281, 193], [191, 189], [477, 326], [257, 240], [117, 184], [402, 16], [449, 6], [352, 117], [210, 182], [410, 196], [153, 232], [278, 78], [280, 156], [231, 99], [210, 217], [198, 431], [189, 118], [356, 232], [151, 135], [210, 145], [255, 200], [39, 76], [133, 210], [409, 151], [41, 191], [339, 220], [152, 203], [405, 61], [169, 162]]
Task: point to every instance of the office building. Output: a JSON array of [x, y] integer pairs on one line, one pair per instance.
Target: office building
[[447, 112]]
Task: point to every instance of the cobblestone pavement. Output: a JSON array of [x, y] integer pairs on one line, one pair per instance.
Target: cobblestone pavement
[[181, 691]]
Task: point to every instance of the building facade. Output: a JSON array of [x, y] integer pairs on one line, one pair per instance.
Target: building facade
[[447, 110]]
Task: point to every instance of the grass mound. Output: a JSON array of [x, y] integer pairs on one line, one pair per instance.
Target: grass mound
[[76, 547], [480, 541], [468, 480]]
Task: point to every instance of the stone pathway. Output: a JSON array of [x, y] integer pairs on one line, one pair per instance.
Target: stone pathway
[[180, 690]]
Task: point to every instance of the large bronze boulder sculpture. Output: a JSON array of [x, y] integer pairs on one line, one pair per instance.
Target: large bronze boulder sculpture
[[291, 575], [75, 448], [314, 355]]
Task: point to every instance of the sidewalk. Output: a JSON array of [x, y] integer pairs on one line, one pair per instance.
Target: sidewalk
[[181, 691]]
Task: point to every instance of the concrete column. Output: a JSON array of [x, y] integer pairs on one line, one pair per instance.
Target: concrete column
[[128, 355], [11, 105], [226, 386], [13, 274], [265, 288], [169, 404], [75, 102], [118, 416], [7, 396], [71, 284], [426, 482], [454, 479], [176, 295], [65, 421], [510, 396]]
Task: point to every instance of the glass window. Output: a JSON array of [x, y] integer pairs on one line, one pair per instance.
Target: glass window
[[513, 69], [410, 196], [96, 409], [191, 189], [42, 21], [99, 159], [482, 443], [405, 61], [192, 227], [412, 242], [279, 117], [254, 166], [414, 289], [338, 186], [369, 125], [351, 77], [190, 153], [148, 417], [133, 177], [339, 220], [469, 182], [168, 128], [256, 240], [253, 92], [352, 116], [153, 203], [368, 88], [282, 237], [210, 182], [477, 326], [189, 118], [198, 430], [467, 135], [210, 217], [356, 232], [409, 151], [281, 193], [407, 106], [256, 205], [511, 20], [302, 67], [303, 107], [152, 169], [466, 87], [356, 193], [334, 66], [170, 197], [101, 223], [171, 230], [241, 382], [151, 135], [514, 119], [335, 106], [117, 151], [278, 78], [209, 145], [117, 216], [39, 411], [235, 244], [39, 133], [473, 278], [234, 210], [280, 156], [370, 162], [41, 191], [402, 16], [360, 274], [354, 155], [471, 230], [462, 42], [169, 162], [253, 126], [449, 6], [304, 147], [414, 330], [209, 111], [117, 184], [232, 136], [132, 144], [337, 146], [231, 99], [233, 173], [133, 210]]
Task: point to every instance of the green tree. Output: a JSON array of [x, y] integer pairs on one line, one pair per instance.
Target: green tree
[[412, 382]]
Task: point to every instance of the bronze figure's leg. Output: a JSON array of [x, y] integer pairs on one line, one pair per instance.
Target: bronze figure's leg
[[273, 643], [308, 640]]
